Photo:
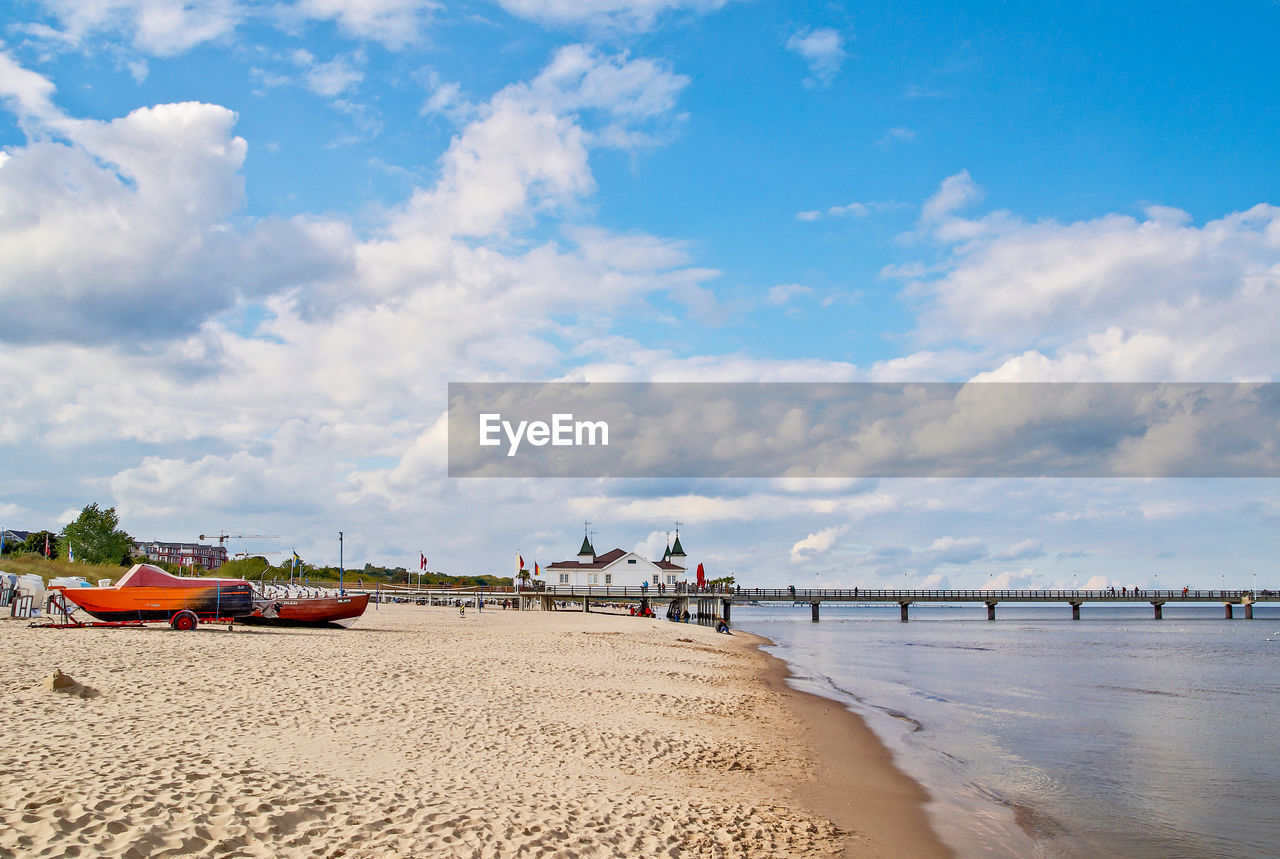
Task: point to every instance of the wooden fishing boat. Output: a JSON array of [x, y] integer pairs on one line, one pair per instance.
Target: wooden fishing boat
[[148, 593], [303, 610]]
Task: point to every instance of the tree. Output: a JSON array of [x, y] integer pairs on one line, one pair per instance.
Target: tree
[[35, 542], [95, 538]]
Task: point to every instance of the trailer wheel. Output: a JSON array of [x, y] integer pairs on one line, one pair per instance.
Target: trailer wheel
[[184, 621]]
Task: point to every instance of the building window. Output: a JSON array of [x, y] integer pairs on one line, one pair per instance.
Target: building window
[[608, 578], [564, 578], [593, 579], [631, 560], [671, 580], [655, 579]]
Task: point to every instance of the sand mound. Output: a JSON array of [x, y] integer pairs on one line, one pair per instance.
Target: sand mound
[[59, 682]]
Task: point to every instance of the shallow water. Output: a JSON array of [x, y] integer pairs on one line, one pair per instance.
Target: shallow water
[[1115, 735]]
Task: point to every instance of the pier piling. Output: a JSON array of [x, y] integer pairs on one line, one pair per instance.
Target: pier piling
[[814, 606], [1227, 606], [1075, 611], [1159, 607], [991, 611], [903, 607]]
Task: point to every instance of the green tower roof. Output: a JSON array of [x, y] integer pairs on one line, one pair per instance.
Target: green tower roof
[[676, 550], [586, 546]]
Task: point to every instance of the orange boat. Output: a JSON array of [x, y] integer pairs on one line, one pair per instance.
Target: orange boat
[[308, 610], [148, 593]]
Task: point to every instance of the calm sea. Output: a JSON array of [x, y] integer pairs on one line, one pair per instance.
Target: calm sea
[[1114, 735]]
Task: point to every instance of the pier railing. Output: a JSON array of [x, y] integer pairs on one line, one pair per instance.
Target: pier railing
[[1029, 595]]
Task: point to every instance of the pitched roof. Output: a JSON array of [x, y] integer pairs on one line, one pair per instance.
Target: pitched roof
[[587, 548], [602, 561], [676, 550]]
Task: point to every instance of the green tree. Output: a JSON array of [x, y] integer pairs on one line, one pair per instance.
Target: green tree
[[35, 543], [95, 537]]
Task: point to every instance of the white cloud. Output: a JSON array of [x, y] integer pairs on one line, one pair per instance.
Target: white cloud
[[526, 151], [337, 76], [1010, 581], [850, 210], [123, 228], [1028, 548], [26, 93], [898, 134], [394, 23], [823, 49], [614, 14], [954, 193], [784, 292], [817, 544], [159, 27]]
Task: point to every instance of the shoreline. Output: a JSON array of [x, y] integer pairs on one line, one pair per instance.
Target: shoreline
[[858, 786]]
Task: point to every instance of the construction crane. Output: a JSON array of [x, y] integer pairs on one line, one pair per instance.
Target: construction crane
[[223, 537]]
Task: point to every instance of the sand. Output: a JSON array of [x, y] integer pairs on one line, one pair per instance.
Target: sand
[[422, 733]]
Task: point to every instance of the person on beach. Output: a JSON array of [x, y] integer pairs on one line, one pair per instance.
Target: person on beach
[[723, 626]]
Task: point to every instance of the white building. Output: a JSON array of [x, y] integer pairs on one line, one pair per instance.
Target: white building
[[618, 568]]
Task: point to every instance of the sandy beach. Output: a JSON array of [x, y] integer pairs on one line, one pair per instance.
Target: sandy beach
[[422, 733]]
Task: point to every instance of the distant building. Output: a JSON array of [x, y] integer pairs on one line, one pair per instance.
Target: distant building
[[13, 538], [181, 554], [618, 568]]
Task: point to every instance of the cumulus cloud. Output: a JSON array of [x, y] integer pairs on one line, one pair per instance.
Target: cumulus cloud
[[785, 292], [1115, 297], [337, 76], [817, 544], [823, 49], [123, 228], [954, 193], [1010, 581], [25, 93], [613, 14], [1022, 550], [159, 27], [526, 152], [394, 23]]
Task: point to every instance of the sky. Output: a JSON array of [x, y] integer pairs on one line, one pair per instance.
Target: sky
[[245, 246]]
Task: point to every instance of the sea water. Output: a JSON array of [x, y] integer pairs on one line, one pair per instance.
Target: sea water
[[1114, 735]]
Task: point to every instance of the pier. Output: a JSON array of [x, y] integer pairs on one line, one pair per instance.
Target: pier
[[991, 598], [715, 604]]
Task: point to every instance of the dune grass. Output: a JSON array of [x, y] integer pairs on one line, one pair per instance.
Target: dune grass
[[28, 563]]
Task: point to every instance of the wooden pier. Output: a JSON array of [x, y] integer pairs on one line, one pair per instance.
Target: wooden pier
[[991, 598], [718, 603]]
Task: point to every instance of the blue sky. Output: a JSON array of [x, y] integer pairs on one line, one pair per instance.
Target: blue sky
[[244, 246]]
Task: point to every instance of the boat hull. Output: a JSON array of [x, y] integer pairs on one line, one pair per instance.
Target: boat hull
[[162, 603], [309, 611]]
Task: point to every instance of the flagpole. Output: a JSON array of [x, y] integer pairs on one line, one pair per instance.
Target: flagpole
[[339, 563]]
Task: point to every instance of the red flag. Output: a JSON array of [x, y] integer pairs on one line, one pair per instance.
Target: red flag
[[46, 544], [702, 576], [422, 561]]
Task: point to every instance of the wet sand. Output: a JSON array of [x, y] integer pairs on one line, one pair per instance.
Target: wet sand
[[422, 733]]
